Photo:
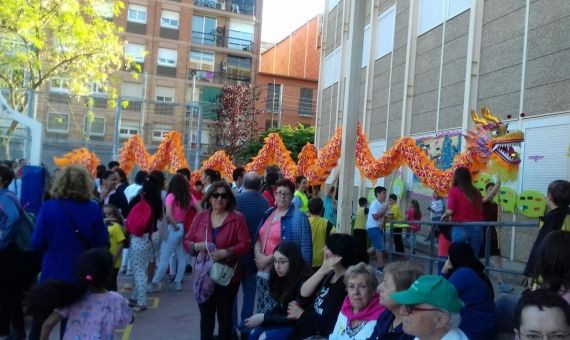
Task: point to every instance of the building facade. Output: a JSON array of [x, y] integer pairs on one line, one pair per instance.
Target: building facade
[[427, 63], [187, 51], [288, 78]]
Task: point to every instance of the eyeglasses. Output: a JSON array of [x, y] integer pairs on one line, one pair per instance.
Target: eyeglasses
[[411, 308], [223, 195], [539, 336], [282, 194], [280, 262]]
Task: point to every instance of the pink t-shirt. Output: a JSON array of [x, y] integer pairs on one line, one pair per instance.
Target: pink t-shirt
[[274, 238], [96, 316], [178, 213], [463, 209]]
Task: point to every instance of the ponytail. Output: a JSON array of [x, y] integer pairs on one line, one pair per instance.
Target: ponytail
[[49, 295]]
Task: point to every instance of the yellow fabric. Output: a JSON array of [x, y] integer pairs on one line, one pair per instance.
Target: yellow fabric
[[566, 224], [396, 212], [319, 233], [116, 236], [360, 222], [304, 200]]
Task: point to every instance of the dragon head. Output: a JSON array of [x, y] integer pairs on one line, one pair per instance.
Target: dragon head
[[492, 140]]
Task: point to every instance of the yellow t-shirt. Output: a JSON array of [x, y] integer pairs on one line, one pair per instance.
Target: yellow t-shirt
[[360, 221], [116, 236], [395, 214], [319, 226]]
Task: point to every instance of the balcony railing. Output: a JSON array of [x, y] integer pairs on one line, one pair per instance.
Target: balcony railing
[[218, 77], [221, 40], [246, 7]]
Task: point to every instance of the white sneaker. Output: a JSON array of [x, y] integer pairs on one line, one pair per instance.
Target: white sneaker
[[177, 286], [153, 288]]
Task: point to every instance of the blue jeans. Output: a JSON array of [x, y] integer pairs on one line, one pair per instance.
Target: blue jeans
[[277, 333], [248, 284], [472, 235]]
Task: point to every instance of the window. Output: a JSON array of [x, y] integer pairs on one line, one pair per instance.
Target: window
[[131, 90], [203, 30], [239, 68], [332, 68], [159, 131], [332, 3], [273, 101], [240, 36], [164, 94], [97, 126], [200, 60], [128, 129], [137, 13], [386, 26], [57, 122], [59, 85], [366, 46], [456, 7], [135, 51], [433, 12], [97, 89], [170, 19], [306, 102], [167, 57], [104, 9]]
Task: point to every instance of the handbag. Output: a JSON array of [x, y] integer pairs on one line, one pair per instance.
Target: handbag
[[220, 273], [82, 239], [25, 228], [264, 274]]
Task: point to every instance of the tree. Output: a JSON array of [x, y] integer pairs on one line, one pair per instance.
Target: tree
[[236, 125], [69, 41], [294, 139]]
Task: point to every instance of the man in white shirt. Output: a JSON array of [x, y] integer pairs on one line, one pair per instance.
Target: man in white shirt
[[430, 309], [374, 225], [132, 190]]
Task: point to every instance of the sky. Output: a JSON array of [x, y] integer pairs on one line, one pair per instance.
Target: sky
[[281, 17]]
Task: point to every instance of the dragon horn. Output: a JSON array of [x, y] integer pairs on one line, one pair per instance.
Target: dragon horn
[[477, 119], [488, 116]]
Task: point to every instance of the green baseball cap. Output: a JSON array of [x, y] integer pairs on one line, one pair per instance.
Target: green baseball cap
[[431, 289]]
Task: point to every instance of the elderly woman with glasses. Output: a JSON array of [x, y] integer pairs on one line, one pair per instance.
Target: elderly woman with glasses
[[361, 308], [284, 222], [217, 234], [398, 276]]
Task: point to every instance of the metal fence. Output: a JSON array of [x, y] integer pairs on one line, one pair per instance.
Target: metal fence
[[101, 125], [433, 259]]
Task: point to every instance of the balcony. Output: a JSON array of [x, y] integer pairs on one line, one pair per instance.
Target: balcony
[[218, 77], [245, 7], [220, 39]]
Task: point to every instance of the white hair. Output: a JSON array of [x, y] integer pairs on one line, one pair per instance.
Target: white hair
[[454, 319]]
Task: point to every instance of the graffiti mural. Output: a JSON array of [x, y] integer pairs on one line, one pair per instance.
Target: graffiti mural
[[442, 149]]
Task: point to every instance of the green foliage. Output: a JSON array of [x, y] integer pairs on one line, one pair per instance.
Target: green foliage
[[294, 139], [41, 40]]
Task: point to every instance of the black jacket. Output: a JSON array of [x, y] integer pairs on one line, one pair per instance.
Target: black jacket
[[553, 221]]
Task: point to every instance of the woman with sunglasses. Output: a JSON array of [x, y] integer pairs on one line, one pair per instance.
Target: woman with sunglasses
[[287, 275], [284, 222], [218, 233]]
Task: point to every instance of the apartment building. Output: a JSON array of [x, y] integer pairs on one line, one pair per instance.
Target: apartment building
[[427, 63], [288, 78], [187, 50]]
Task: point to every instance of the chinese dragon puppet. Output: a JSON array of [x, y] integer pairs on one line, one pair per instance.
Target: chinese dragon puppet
[[490, 146]]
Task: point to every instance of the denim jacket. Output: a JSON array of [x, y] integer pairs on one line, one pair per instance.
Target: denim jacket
[[295, 227], [9, 217]]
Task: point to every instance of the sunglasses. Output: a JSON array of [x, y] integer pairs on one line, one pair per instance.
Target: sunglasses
[[411, 308], [223, 195]]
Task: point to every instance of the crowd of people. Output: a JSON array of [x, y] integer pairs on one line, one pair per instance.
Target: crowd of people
[[276, 240]]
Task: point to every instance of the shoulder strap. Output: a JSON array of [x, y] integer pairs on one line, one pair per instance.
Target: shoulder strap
[[82, 239]]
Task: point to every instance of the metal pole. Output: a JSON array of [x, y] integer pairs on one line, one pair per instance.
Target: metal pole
[[116, 142], [143, 105], [198, 139], [281, 88], [191, 122]]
